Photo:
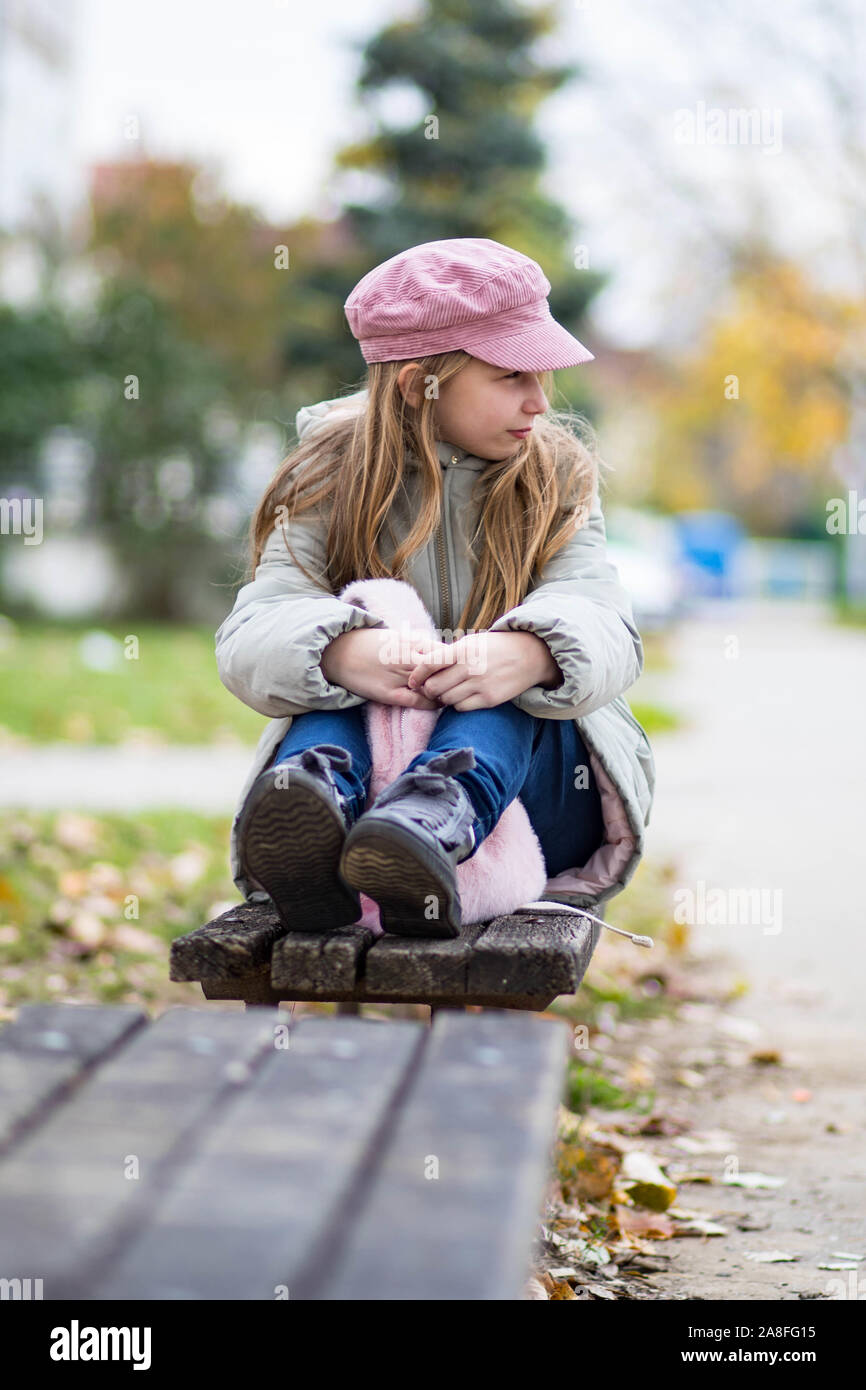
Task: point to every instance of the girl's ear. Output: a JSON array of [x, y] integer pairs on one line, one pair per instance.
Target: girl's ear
[[408, 379]]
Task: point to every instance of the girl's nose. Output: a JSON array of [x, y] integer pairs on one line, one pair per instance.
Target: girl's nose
[[536, 402]]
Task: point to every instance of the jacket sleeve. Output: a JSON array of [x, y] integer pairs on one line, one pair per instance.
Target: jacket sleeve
[[269, 647], [579, 607]]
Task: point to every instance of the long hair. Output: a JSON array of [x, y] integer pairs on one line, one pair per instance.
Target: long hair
[[530, 504]]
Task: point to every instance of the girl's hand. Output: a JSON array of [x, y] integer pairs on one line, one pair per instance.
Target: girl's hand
[[376, 662], [484, 669]]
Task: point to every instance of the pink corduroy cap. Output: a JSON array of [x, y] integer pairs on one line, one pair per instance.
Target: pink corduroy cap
[[469, 293]]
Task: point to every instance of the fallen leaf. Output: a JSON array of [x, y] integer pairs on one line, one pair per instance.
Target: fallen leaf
[[7, 892], [643, 1180], [753, 1180], [584, 1170], [644, 1223], [662, 1124], [638, 1075], [73, 882], [60, 912], [745, 1029], [767, 1056], [770, 1257], [686, 1076], [187, 868], [607, 1139], [86, 928], [79, 833], [700, 1226], [127, 938], [706, 1141]]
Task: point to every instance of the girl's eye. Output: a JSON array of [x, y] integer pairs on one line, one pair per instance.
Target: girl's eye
[[510, 375]]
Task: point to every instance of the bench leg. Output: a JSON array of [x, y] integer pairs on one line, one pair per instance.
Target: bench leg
[[348, 1006]]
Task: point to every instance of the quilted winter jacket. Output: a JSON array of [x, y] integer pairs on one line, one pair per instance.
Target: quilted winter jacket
[[269, 647]]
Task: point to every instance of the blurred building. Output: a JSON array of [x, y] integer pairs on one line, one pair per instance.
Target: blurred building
[[42, 182], [37, 99]]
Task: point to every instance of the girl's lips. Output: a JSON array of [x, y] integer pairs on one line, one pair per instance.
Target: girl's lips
[[521, 434]]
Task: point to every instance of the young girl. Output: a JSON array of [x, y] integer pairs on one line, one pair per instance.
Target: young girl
[[447, 470]]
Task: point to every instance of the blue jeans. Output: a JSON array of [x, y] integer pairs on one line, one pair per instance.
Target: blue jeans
[[517, 754]]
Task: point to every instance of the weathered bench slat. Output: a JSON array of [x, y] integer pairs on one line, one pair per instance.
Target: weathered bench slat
[[399, 965], [545, 955], [327, 961], [46, 1049], [276, 1170], [519, 961], [233, 944], [65, 1197], [482, 1110]]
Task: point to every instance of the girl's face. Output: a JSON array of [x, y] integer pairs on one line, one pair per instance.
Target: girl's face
[[480, 407]]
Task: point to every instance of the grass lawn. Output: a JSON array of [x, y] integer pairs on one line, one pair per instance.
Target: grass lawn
[[69, 683], [849, 613], [89, 904], [52, 687]]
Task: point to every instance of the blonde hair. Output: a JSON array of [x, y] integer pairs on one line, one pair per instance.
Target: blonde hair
[[530, 504]]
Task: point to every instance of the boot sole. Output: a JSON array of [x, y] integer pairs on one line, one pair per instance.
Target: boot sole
[[291, 839], [401, 874]]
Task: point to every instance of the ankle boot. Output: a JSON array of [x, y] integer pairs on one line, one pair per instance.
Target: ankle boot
[[404, 850], [291, 833]]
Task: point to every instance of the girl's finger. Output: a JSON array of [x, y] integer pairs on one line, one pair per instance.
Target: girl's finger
[[412, 699], [424, 670], [460, 693], [437, 686], [440, 655]]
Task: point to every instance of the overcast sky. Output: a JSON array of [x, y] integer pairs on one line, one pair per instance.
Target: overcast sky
[[263, 92]]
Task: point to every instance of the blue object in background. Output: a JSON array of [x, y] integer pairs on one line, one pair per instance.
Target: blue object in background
[[709, 543]]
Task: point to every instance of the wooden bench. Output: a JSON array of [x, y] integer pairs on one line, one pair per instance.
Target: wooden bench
[[228, 1154], [523, 961]]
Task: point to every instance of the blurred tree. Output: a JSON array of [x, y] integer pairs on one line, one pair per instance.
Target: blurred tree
[[144, 404], [752, 419], [470, 167], [210, 261], [39, 366], [205, 307]]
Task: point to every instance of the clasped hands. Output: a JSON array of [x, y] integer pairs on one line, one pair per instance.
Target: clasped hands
[[417, 671]]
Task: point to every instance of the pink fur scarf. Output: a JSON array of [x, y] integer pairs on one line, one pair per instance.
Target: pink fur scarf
[[507, 870]]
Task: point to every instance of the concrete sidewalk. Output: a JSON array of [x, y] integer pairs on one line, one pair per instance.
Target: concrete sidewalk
[[764, 791], [79, 777]]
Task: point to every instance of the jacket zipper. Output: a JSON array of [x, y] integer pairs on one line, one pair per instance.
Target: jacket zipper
[[444, 587]]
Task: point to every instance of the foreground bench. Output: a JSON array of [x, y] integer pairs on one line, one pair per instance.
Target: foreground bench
[[523, 961], [218, 1154]]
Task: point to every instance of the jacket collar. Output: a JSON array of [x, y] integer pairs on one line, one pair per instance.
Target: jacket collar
[[452, 456]]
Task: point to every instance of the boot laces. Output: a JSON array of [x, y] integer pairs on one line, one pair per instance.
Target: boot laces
[[433, 797], [321, 759]]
